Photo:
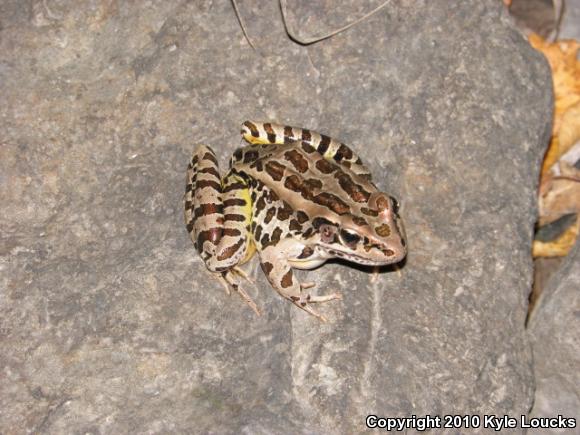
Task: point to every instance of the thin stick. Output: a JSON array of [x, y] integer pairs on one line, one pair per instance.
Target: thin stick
[[242, 25], [308, 41]]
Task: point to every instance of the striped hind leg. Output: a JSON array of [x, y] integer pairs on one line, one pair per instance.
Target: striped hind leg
[[331, 149], [217, 219]]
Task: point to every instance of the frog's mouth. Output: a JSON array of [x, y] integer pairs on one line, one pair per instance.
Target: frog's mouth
[[372, 256]]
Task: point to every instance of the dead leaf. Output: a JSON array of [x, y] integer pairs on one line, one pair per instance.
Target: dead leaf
[[559, 247], [566, 81], [559, 195]]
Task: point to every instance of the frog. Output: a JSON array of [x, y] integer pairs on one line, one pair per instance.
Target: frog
[[295, 197]]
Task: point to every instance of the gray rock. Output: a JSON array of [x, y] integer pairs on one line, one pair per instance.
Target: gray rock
[[570, 25], [109, 322], [555, 335]]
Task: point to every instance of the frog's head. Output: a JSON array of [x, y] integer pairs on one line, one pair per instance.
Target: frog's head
[[375, 236]]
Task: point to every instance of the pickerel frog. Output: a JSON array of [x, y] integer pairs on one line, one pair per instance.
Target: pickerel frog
[[296, 197]]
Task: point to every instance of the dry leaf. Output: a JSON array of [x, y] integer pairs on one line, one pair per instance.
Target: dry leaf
[[559, 192], [566, 79], [559, 195], [559, 247]]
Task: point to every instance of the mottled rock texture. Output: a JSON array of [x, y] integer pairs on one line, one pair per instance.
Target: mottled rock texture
[[109, 322], [555, 335]]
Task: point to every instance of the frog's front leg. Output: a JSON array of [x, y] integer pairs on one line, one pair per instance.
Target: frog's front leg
[[275, 263]]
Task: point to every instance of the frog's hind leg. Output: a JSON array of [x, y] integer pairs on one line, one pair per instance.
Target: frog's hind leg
[[331, 149], [217, 216]]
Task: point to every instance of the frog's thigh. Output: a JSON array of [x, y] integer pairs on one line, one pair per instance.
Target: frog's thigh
[[234, 246]]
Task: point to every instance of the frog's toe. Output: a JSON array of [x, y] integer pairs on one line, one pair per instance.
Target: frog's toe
[[323, 298], [241, 272], [230, 279], [310, 310]]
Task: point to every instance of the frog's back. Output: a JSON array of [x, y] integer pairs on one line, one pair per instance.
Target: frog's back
[[307, 180]]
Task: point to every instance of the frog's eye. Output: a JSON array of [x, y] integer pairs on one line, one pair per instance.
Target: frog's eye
[[395, 204], [349, 238]]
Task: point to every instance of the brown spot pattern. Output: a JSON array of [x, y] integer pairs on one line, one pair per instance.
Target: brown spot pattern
[[261, 203], [297, 160], [206, 209], [369, 212], [272, 196], [324, 143], [288, 135], [331, 201], [306, 252], [258, 232], [250, 156], [269, 215], [231, 250], [302, 217], [275, 170], [231, 232], [213, 235], [238, 185], [359, 221], [211, 157], [238, 154], [234, 217], [306, 188], [231, 202], [276, 234], [325, 166], [294, 225], [343, 153], [383, 230], [382, 203], [267, 267], [354, 190], [308, 149], [270, 132], [287, 279], [284, 212], [208, 183], [253, 129], [210, 170]]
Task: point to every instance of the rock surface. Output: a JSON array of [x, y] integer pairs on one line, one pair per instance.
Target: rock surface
[[555, 335], [109, 322], [570, 25]]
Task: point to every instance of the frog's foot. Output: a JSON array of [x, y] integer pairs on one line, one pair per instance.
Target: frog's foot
[[308, 298], [304, 305], [230, 279], [305, 299]]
